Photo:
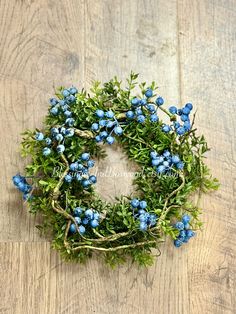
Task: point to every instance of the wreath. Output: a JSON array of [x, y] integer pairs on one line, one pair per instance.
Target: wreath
[[60, 186]]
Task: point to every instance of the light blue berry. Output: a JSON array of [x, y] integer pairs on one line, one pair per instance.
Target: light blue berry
[[141, 118], [130, 114], [72, 228], [94, 223], [60, 149], [110, 140], [85, 156], [100, 113], [118, 130], [134, 202], [95, 127], [46, 151], [93, 179], [159, 101], [39, 136], [149, 93]]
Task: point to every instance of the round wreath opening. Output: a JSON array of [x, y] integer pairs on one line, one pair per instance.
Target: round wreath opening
[[58, 183]]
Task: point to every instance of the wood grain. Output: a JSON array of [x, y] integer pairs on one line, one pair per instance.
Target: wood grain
[[188, 47]]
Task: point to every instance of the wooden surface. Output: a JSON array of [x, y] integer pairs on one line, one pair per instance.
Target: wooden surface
[[188, 47]]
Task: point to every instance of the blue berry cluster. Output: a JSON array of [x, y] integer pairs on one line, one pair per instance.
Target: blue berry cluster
[[84, 218], [22, 185], [164, 163], [63, 105], [183, 113], [57, 135], [145, 219], [106, 126], [79, 171], [185, 233], [141, 108]]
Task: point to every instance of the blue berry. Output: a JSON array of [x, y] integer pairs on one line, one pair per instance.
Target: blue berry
[[71, 98], [190, 233], [17, 179], [70, 121], [103, 134], [118, 130], [189, 106], [78, 211], [62, 102], [180, 165], [176, 125], [182, 234], [60, 149], [100, 113], [110, 140], [134, 202], [85, 183], [96, 216], [53, 101], [68, 113], [180, 111], [143, 226], [82, 230], [59, 137], [166, 128], [186, 219], [98, 138], [153, 154], [151, 108], [102, 123], [89, 213], [74, 166], [184, 117], [138, 111], [85, 221], [143, 204], [166, 154], [173, 110], [177, 243], [90, 163], [94, 223], [65, 93], [78, 220], [72, 228], [46, 151], [95, 127], [39, 136], [130, 114], [180, 130], [175, 159], [109, 114], [135, 101], [54, 111], [186, 111], [155, 162], [110, 124], [149, 93], [48, 141], [73, 90], [141, 211], [140, 118], [161, 169], [166, 163], [69, 132], [187, 126], [143, 101], [68, 178], [179, 225], [85, 156], [93, 179], [154, 118], [159, 101]]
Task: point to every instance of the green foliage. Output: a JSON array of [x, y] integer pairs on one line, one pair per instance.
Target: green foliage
[[137, 141]]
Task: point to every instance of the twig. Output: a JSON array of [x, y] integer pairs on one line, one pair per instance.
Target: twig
[[121, 247]]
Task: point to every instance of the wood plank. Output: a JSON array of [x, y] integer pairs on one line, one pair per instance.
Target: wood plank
[[207, 63], [41, 46], [35, 280]]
